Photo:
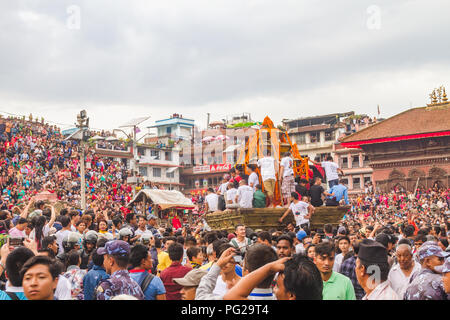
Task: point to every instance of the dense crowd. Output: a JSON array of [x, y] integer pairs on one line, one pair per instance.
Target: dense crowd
[[388, 246]]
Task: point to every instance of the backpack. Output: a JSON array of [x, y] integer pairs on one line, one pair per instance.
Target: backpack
[[146, 282], [221, 203]]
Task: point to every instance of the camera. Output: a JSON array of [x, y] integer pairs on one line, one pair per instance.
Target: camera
[[238, 257]]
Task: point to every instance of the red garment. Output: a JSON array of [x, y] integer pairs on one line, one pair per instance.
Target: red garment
[[176, 223], [176, 270]]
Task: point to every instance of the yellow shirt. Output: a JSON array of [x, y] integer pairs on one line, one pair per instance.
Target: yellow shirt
[[163, 261], [207, 266]]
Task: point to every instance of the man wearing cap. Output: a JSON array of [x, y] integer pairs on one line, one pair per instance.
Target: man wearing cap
[[445, 270], [428, 284], [405, 269], [116, 253], [152, 226], [190, 283], [299, 248], [372, 271]]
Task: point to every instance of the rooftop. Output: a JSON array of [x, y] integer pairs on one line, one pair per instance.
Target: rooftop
[[410, 124]]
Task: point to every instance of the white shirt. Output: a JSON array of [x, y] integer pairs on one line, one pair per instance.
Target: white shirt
[[45, 232], [299, 248], [330, 170], [253, 180], [221, 287], [398, 280], [338, 262], [223, 188], [287, 163], [59, 239], [383, 291], [300, 210], [231, 195], [63, 289], [267, 165], [245, 196], [213, 201]]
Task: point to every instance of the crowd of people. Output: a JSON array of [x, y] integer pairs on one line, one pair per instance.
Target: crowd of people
[[388, 246]]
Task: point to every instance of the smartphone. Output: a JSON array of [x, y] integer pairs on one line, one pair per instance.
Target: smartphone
[[16, 242]]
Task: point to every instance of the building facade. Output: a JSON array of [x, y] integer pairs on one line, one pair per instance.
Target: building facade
[[408, 150], [316, 136]]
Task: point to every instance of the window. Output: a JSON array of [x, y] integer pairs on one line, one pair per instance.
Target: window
[[143, 171], [155, 153], [300, 139], [355, 161], [168, 155], [170, 175], [344, 162], [215, 180], [356, 183], [169, 130], [157, 172], [329, 136], [365, 161], [314, 137], [367, 180], [209, 182], [141, 151]]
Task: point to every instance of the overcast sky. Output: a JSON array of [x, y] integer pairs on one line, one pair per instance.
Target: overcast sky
[[283, 58]]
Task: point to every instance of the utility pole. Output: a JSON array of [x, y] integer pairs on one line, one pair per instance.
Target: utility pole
[[83, 125]]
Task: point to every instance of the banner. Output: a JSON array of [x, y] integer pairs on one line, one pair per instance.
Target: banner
[[212, 168]]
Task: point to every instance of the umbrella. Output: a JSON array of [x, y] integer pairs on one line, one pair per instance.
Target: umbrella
[[112, 138], [97, 137], [209, 138], [222, 137]]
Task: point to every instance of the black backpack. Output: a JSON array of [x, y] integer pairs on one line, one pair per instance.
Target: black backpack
[[221, 205]]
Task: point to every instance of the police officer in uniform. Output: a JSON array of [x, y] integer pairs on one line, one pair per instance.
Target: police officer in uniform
[[90, 240], [72, 241], [116, 254]]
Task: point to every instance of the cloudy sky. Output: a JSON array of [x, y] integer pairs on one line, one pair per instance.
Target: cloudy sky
[[283, 58]]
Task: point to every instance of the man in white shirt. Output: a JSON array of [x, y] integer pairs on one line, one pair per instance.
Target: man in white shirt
[[401, 272], [331, 170], [230, 196], [65, 222], [372, 269], [212, 201], [253, 179], [223, 187], [268, 169], [287, 176], [244, 195], [301, 210]]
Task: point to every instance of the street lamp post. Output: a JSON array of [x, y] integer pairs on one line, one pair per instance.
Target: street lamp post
[[83, 125]]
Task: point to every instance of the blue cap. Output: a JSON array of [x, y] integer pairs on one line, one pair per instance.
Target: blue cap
[[432, 249], [301, 235], [115, 247]]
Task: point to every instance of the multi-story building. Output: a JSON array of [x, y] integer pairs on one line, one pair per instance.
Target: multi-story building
[[354, 161], [409, 150], [159, 157], [316, 136]]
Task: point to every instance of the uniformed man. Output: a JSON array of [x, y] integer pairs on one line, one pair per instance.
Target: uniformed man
[[89, 242], [428, 284], [115, 262]]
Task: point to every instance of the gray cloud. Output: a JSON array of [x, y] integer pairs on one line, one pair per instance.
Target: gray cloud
[[286, 58]]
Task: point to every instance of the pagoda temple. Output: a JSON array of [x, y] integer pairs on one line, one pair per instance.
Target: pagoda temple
[[410, 149]]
